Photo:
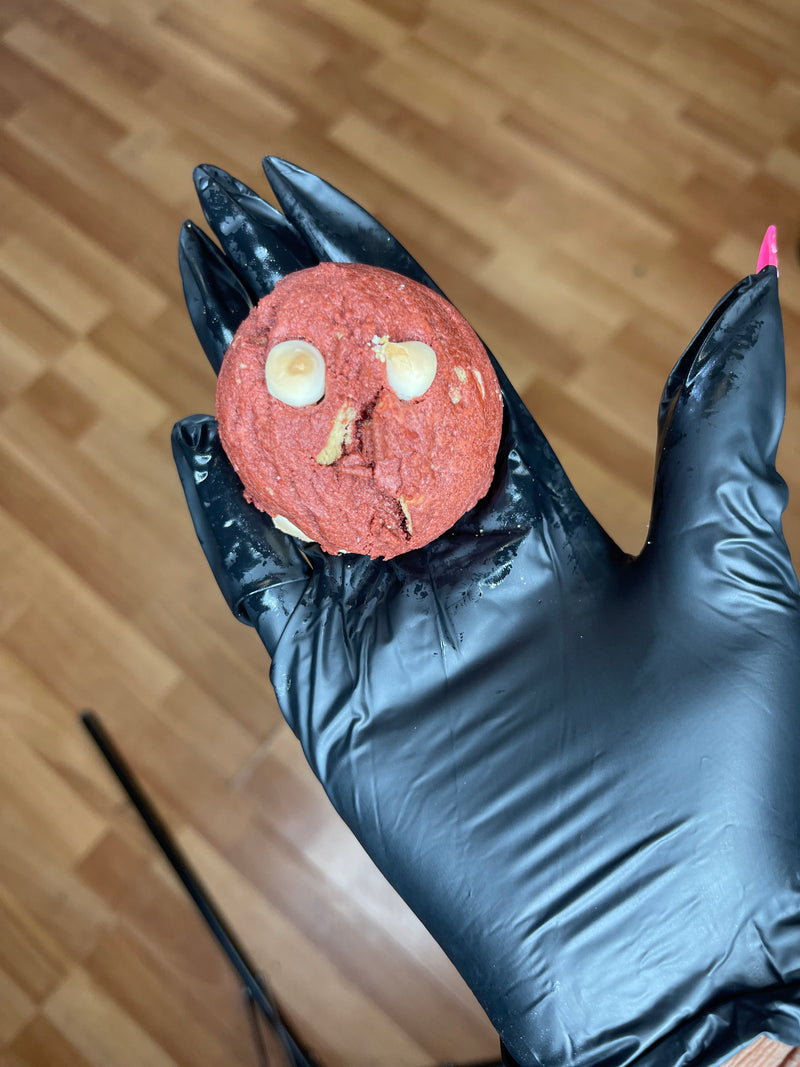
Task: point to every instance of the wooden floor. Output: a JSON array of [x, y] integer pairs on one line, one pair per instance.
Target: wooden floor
[[583, 178]]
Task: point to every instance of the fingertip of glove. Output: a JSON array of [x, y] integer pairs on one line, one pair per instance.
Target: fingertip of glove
[[201, 176], [196, 433], [275, 165], [187, 236]]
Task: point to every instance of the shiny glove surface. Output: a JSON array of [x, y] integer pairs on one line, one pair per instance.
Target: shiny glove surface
[[579, 768]]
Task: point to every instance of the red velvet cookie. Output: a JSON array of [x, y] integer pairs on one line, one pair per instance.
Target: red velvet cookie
[[359, 409]]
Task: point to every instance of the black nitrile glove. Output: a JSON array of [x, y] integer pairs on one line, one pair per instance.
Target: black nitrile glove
[[579, 768]]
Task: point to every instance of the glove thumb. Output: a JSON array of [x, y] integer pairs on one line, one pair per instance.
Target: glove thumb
[[718, 499]]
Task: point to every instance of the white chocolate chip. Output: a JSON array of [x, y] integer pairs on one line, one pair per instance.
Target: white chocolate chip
[[461, 374], [295, 373], [285, 526], [410, 366], [479, 380]]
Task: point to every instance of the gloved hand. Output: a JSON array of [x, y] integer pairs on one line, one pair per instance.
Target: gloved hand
[[579, 768]]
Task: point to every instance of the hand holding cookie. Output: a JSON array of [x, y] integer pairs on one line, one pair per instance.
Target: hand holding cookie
[[578, 767]]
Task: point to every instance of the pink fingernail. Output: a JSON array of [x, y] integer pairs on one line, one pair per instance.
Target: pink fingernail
[[768, 256]]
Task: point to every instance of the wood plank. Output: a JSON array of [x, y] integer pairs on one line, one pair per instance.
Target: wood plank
[[280, 951], [101, 1030], [16, 1010], [41, 1042], [30, 959]]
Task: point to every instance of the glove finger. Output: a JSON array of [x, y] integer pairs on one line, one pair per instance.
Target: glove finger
[[718, 497], [262, 573], [216, 298], [334, 226], [258, 240]]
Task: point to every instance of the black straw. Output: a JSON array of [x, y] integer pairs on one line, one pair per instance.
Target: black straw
[[237, 956]]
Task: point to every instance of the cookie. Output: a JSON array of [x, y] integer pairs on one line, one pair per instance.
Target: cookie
[[359, 409]]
